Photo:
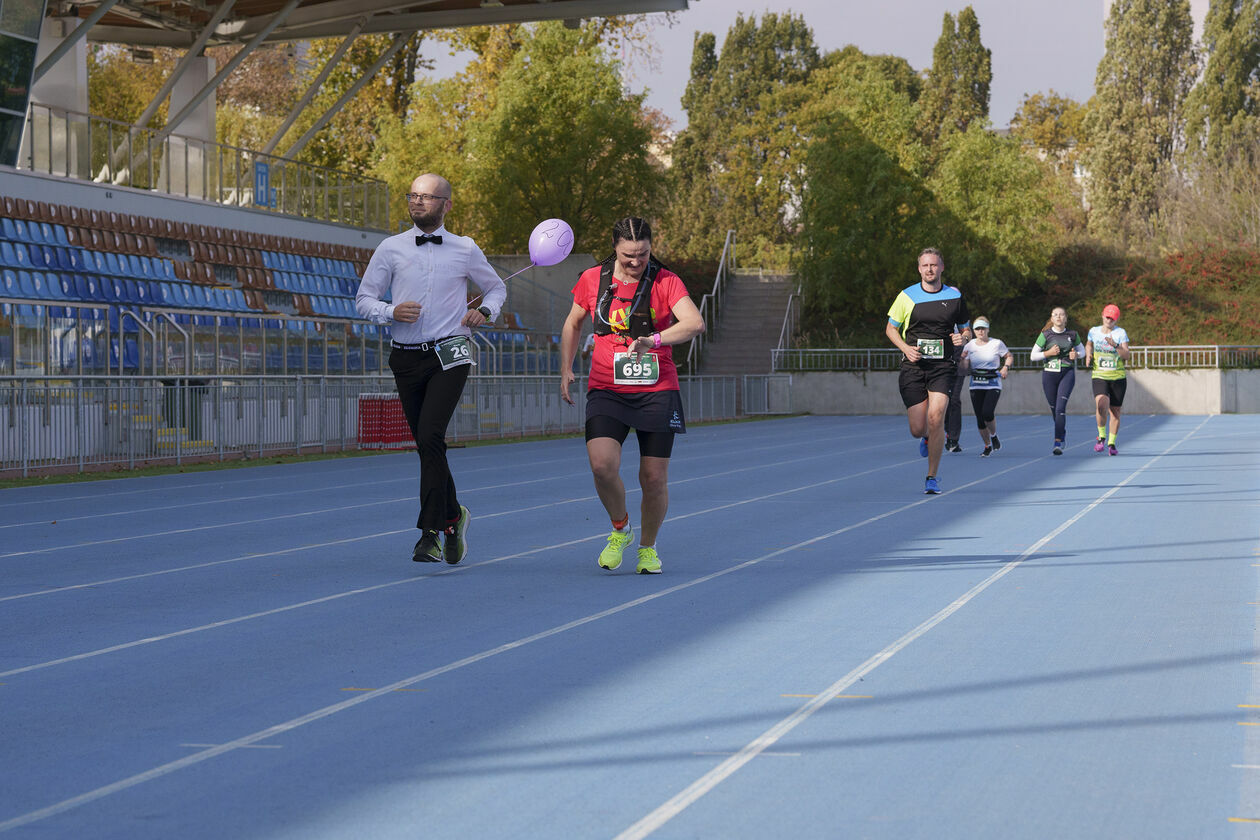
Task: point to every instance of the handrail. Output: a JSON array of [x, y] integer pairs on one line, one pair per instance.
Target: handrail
[[122, 338], [187, 342], [710, 304], [75, 144], [790, 317], [494, 350]]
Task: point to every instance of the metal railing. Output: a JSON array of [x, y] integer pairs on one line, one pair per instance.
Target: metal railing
[[77, 339], [711, 304], [791, 320], [77, 145], [96, 422], [1155, 357]]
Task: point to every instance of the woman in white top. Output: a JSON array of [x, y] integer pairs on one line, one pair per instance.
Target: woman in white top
[[988, 360]]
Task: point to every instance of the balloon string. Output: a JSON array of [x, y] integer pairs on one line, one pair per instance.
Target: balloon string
[[505, 279]]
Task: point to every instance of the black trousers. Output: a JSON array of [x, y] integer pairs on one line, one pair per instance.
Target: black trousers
[[953, 412], [429, 397]]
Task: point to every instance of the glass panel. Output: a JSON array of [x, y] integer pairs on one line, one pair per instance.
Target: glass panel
[[10, 138], [17, 62], [21, 17]]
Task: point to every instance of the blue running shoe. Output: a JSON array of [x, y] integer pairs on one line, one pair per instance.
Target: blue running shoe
[[923, 447], [932, 487]]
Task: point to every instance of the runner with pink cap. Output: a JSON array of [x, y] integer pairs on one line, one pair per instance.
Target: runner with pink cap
[[1106, 351]]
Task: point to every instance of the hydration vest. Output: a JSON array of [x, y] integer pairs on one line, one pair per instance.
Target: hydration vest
[[639, 320]]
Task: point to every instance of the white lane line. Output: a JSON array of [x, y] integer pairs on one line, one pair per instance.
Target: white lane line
[[568, 476], [49, 549], [689, 795], [376, 587], [327, 711], [235, 499]]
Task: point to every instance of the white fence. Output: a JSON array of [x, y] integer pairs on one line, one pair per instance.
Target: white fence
[[1148, 357]]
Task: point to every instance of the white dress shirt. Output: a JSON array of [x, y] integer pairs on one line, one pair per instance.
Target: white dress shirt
[[435, 276]]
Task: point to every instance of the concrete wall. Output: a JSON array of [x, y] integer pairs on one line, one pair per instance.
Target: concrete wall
[[1149, 392]]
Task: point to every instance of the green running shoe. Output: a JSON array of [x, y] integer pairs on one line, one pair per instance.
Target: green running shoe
[[457, 538], [649, 562], [610, 557]]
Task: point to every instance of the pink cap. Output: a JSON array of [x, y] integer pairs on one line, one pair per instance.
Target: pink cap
[[1111, 311]]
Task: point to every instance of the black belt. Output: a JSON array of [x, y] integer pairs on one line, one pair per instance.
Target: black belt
[[423, 347]]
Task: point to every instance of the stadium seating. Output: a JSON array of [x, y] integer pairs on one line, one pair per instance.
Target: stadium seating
[[72, 253]]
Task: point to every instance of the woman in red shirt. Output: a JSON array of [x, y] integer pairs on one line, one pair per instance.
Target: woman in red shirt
[[640, 308]]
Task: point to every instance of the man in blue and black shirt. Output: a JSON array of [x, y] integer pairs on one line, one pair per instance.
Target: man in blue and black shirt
[[928, 323]]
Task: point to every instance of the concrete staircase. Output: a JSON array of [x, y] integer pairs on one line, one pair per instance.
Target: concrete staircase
[[748, 325]]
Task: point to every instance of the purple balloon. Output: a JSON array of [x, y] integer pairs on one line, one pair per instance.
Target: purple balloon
[[550, 242]]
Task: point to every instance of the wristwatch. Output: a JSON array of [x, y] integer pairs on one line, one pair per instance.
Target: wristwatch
[[485, 310]]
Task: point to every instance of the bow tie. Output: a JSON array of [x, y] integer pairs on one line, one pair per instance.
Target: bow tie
[[429, 237]]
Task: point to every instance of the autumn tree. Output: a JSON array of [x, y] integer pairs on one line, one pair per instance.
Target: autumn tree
[[1050, 125]]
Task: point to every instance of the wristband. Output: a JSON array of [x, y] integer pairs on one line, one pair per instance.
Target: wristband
[[656, 341]]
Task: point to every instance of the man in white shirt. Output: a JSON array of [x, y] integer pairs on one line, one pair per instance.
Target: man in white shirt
[[425, 271]]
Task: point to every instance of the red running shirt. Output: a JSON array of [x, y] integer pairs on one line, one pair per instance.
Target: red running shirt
[[667, 290]]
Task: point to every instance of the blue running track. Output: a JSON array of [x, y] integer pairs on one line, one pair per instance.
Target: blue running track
[[1056, 647]]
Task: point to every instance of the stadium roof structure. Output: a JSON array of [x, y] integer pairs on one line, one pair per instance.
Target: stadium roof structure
[[182, 24]]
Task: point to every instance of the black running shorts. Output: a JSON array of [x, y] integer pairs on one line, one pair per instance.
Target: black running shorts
[[1112, 389], [918, 378]]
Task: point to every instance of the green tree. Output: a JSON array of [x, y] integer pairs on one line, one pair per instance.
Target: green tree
[[1136, 119], [1223, 109], [956, 92], [349, 141], [864, 200], [562, 140], [999, 199], [735, 166]]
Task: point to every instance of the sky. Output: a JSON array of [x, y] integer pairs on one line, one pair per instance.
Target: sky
[[1037, 45]]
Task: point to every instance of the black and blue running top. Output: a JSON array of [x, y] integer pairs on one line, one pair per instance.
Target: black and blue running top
[[918, 313]]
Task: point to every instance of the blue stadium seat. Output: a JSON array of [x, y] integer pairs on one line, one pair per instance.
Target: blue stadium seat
[[112, 265], [59, 235], [21, 232], [9, 284], [21, 255], [93, 261], [164, 269], [73, 259], [7, 231], [7, 256], [41, 256], [142, 267], [26, 285]]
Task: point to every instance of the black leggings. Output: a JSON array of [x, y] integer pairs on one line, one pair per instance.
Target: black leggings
[[1058, 386], [984, 403]]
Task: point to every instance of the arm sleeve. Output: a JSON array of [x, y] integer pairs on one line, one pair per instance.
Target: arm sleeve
[[899, 312], [1038, 353], [372, 288]]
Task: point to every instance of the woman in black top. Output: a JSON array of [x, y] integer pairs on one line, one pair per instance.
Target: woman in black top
[[1058, 348]]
